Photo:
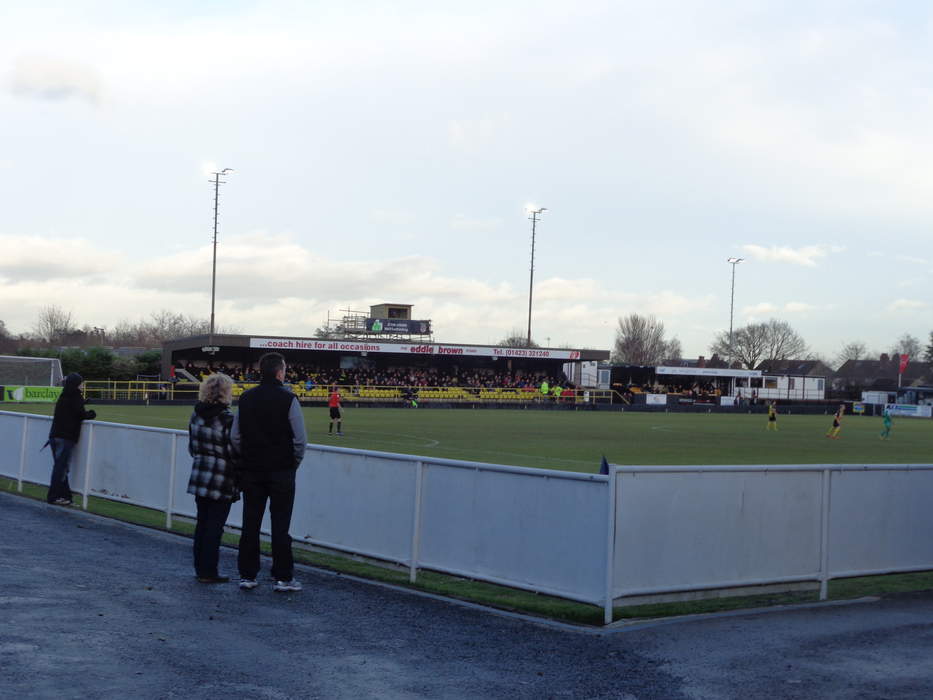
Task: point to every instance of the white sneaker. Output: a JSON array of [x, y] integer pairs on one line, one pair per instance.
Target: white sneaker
[[248, 584], [286, 586]]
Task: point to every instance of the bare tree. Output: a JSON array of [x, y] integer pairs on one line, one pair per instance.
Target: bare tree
[[758, 342], [674, 350], [907, 345], [517, 339], [53, 324], [747, 344], [928, 353], [855, 350], [782, 342], [640, 341], [162, 325]]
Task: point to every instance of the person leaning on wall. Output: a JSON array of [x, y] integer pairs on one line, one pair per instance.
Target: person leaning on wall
[[64, 434], [212, 481]]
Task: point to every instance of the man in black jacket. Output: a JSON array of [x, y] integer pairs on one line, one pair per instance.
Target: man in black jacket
[[65, 431], [269, 433]]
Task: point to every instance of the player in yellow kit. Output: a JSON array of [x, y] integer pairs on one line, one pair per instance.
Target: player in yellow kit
[[837, 422], [772, 417]]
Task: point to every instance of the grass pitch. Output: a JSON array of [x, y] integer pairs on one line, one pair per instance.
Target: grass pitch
[[576, 440]]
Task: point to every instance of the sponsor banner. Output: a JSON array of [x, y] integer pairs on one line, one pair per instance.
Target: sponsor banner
[[727, 401], [708, 372], [30, 394], [656, 399], [409, 349], [398, 326], [909, 410]]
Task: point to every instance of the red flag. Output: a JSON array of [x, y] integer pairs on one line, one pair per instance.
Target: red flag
[[904, 360]]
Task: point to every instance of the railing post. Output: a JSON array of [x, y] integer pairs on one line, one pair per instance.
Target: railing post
[[826, 492], [610, 545], [170, 503], [416, 523], [22, 455], [87, 463]]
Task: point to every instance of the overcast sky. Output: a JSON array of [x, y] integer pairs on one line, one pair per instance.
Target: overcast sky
[[386, 152]]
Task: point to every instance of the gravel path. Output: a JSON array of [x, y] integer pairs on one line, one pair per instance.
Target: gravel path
[[91, 607]]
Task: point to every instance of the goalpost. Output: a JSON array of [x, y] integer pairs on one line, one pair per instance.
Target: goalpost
[[30, 371]]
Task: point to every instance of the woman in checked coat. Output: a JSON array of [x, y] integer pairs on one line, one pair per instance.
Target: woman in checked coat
[[212, 472]]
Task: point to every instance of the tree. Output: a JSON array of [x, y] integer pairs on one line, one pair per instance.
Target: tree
[[928, 355], [640, 341], [854, 350], [53, 324], [759, 342], [674, 350], [517, 339], [907, 345]]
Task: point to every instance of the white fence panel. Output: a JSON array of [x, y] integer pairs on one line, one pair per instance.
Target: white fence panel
[[677, 530], [541, 531], [362, 502], [38, 467], [131, 465], [11, 438], [881, 520]]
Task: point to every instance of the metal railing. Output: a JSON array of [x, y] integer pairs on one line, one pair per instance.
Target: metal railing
[[174, 391]]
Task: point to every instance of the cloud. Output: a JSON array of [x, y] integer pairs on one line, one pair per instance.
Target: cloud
[[461, 222], [798, 307], [37, 258], [908, 305], [806, 256], [45, 78], [760, 309], [914, 260]]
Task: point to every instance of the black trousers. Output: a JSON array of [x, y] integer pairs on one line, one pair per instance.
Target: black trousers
[[207, 535], [278, 488]]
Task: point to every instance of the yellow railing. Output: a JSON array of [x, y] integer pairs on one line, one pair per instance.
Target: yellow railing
[[168, 391]]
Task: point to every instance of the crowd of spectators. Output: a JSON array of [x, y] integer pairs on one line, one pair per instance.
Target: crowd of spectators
[[390, 376]]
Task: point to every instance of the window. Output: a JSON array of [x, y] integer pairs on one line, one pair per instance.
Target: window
[[790, 382], [770, 382], [819, 385]]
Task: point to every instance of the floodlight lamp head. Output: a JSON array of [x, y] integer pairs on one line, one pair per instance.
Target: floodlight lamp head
[[226, 170], [735, 261]]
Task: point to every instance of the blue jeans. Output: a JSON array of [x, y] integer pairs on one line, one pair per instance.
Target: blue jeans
[[61, 454]]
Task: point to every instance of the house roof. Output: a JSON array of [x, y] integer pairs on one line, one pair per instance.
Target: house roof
[[796, 368], [882, 373]]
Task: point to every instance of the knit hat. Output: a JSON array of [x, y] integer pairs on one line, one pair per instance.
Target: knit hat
[[73, 381]]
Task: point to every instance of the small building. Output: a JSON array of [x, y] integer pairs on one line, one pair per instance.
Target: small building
[[791, 380]]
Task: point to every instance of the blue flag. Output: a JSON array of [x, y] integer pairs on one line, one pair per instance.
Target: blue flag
[[604, 467]]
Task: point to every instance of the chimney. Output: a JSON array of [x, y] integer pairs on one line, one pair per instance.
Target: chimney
[[701, 361]]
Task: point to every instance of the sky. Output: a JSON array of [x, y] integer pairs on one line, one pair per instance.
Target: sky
[[387, 152]]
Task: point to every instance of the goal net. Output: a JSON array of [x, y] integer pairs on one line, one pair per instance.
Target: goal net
[[30, 371]]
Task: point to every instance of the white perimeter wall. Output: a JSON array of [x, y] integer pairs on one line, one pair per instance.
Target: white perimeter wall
[[586, 537]]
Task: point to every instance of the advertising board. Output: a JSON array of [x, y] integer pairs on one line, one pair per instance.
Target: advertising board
[[29, 394], [410, 349]]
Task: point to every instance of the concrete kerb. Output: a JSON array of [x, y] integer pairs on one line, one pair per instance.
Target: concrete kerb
[[620, 626]]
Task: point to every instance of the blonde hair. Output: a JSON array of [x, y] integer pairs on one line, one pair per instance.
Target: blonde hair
[[217, 388]]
